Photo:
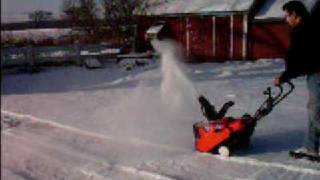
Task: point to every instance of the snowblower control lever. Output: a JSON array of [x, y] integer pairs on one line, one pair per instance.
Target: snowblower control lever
[[209, 111], [271, 101]]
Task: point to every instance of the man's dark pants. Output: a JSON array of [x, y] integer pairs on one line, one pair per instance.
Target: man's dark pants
[[313, 135]]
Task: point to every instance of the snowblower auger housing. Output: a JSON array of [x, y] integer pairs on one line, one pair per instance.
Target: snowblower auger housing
[[222, 134]]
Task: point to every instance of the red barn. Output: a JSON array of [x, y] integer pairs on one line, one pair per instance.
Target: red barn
[[269, 34], [209, 30], [218, 30]]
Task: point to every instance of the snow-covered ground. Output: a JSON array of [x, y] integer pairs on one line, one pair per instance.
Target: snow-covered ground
[[74, 123]]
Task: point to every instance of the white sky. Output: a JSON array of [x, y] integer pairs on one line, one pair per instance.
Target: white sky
[[15, 10]]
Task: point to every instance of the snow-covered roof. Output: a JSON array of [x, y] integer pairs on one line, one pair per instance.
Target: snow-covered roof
[[199, 6], [273, 8]]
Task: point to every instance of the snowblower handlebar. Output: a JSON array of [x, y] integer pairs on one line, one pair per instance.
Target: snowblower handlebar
[[279, 99], [271, 101], [210, 112]]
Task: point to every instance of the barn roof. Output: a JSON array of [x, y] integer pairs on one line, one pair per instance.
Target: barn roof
[[272, 9], [199, 6]]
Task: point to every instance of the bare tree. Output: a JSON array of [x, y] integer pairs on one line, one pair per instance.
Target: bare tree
[[39, 16], [83, 14], [127, 10], [121, 15], [88, 16], [69, 8]]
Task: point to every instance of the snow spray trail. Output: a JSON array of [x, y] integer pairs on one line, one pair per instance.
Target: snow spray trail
[[161, 114], [176, 89]]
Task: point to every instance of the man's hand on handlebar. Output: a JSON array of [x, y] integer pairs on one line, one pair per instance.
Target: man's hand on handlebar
[[276, 81]]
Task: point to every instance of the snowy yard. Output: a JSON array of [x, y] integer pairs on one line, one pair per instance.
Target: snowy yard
[[74, 123]]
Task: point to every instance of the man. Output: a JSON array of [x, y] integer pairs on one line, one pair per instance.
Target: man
[[302, 59]]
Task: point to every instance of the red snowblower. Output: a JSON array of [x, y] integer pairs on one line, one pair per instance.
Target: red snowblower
[[222, 135]]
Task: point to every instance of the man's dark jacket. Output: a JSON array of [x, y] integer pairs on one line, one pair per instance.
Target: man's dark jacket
[[302, 57]]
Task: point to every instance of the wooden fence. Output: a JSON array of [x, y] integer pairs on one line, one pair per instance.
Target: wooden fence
[[76, 53]]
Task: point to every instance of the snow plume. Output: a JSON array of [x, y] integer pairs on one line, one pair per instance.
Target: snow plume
[[162, 115], [177, 91]]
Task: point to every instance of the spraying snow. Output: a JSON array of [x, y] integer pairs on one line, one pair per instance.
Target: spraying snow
[[163, 115], [177, 90]]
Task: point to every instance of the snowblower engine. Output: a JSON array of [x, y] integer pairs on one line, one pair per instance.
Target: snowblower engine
[[221, 134]]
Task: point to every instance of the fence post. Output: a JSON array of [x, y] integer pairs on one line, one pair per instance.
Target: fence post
[[78, 53], [30, 56], [134, 38], [3, 58]]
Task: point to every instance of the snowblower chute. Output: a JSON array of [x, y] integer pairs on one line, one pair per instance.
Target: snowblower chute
[[222, 134]]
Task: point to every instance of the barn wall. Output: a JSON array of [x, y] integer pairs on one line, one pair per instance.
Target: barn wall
[[205, 38], [269, 40], [175, 29], [223, 38], [238, 37], [200, 37], [208, 40]]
